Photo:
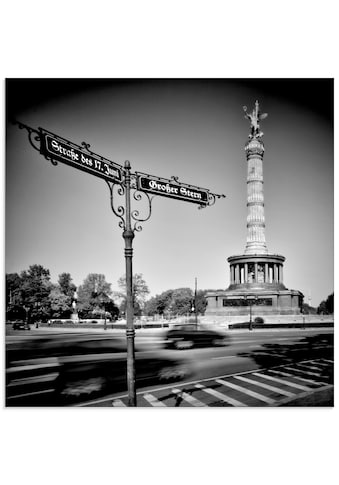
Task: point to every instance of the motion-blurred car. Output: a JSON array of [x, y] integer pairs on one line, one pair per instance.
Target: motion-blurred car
[[190, 335], [63, 371], [20, 325]]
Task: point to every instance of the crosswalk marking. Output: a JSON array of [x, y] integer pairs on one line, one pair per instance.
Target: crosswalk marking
[[153, 400], [296, 376], [319, 363], [312, 367], [219, 395], [304, 371], [288, 374], [266, 386], [190, 399], [282, 381], [224, 357], [265, 399]]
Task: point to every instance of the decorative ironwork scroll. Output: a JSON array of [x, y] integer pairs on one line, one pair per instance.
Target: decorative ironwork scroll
[[118, 210], [34, 136]]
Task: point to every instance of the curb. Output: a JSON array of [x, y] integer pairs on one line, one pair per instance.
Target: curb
[[323, 397]]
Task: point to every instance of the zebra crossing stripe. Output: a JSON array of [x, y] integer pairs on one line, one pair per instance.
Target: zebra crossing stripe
[[322, 364], [256, 395], [304, 371], [219, 395], [315, 367], [188, 398], [310, 367], [153, 400], [118, 403], [288, 374], [282, 381], [266, 386]]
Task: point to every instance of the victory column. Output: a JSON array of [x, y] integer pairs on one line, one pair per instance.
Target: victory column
[[256, 276]]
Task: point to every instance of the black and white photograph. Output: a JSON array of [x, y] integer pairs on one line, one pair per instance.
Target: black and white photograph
[[169, 242], [169, 235]]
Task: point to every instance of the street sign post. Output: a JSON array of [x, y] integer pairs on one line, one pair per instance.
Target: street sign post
[[58, 149]]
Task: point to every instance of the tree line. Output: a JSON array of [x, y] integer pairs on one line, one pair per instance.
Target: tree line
[[326, 307], [32, 292]]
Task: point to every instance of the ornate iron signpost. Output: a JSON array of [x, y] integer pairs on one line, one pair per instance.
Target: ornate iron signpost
[[57, 149]]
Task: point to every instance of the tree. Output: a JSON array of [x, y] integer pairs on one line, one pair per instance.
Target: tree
[[66, 286], [139, 292], [181, 301], [326, 307], [62, 296], [176, 302], [13, 286], [35, 289], [60, 303], [330, 303], [308, 310], [159, 304], [93, 294], [14, 309], [112, 309], [201, 301]]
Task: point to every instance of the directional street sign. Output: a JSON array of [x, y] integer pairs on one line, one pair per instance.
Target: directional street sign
[[56, 148], [171, 188]]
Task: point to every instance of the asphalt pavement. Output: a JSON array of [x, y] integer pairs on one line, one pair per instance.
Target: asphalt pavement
[[282, 367], [302, 360]]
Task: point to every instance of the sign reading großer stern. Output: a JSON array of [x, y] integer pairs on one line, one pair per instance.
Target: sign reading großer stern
[[56, 148], [174, 190]]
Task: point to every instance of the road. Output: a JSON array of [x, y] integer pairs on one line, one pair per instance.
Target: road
[[258, 368]]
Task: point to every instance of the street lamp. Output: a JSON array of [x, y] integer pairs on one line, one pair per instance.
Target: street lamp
[[74, 315], [104, 303], [28, 311], [37, 305], [101, 297], [194, 305], [250, 299]]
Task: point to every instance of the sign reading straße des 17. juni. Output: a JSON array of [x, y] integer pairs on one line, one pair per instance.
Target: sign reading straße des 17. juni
[[56, 148], [181, 191]]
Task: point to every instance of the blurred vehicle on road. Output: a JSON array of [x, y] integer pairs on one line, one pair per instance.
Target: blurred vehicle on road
[[59, 371], [20, 325], [191, 335]]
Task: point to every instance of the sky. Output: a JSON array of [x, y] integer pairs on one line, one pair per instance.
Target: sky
[[60, 217]]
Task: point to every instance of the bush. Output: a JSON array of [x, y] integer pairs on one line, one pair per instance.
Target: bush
[[191, 320], [259, 320]]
